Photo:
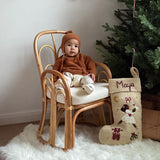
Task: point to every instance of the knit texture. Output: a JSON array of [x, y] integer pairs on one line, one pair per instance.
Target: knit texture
[[127, 112], [67, 36], [79, 64]]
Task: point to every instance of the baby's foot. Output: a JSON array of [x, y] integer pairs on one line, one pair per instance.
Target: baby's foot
[[89, 88]]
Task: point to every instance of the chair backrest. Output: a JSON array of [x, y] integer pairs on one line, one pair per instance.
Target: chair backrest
[[45, 43]]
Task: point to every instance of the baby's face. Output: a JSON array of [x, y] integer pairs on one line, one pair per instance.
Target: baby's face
[[71, 47]]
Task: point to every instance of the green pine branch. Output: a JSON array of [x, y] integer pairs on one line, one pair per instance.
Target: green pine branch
[[141, 33]]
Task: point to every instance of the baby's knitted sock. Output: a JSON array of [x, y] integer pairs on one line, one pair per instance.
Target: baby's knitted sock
[[87, 84], [89, 88]]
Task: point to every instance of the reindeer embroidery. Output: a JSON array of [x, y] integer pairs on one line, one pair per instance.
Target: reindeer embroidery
[[128, 117]]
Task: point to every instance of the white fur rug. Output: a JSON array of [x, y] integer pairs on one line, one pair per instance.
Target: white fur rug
[[25, 146]]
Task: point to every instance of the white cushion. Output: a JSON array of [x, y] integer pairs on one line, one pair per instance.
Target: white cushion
[[79, 96]]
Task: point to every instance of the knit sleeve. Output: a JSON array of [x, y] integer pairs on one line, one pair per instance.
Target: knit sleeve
[[90, 65], [57, 64]]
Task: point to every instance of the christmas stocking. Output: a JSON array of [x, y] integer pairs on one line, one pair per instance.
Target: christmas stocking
[[126, 105]]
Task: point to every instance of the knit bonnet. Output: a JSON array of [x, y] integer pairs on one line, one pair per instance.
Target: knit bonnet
[[67, 36]]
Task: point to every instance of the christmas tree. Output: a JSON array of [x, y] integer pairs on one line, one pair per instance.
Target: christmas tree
[[135, 40]]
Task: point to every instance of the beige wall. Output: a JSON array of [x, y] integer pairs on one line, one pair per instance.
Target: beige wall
[[21, 20]]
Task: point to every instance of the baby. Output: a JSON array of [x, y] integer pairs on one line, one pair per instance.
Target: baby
[[78, 69]]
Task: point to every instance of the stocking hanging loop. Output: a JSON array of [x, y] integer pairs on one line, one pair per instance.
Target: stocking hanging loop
[[134, 71]]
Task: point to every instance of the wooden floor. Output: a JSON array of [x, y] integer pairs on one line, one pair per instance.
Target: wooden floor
[[9, 131]]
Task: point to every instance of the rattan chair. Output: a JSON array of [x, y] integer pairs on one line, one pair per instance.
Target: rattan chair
[[67, 104]]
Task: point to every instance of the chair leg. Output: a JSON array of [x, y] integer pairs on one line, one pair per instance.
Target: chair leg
[[110, 113], [68, 129], [53, 123], [73, 125], [59, 114], [43, 116], [97, 119], [101, 116]]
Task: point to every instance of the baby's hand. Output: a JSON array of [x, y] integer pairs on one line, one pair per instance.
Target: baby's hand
[[92, 75]]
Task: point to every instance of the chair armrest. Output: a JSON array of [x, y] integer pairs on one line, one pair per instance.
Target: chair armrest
[[103, 71], [47, 76]]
